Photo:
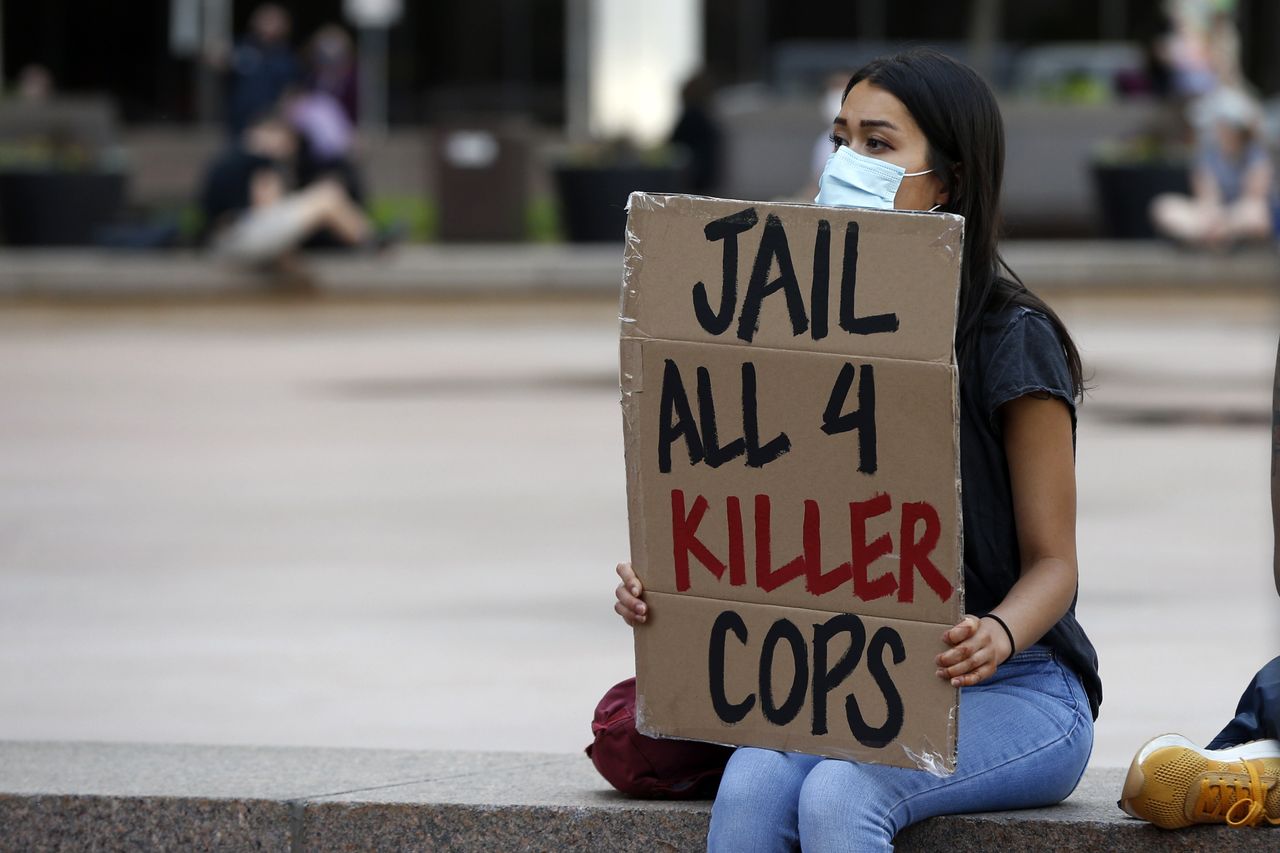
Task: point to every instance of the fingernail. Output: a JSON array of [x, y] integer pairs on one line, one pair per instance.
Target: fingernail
[[635, 589], [640, 608], [955, 682]]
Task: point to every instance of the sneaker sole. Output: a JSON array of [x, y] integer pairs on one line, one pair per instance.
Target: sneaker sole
[[1135, 779]]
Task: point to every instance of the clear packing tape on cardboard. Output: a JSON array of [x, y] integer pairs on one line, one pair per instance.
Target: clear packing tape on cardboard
[[789, 397]]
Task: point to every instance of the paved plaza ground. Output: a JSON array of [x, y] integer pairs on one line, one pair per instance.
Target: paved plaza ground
[[394, 524]]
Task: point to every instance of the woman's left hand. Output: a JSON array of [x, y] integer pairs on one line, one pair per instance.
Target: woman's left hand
[[978, 646]]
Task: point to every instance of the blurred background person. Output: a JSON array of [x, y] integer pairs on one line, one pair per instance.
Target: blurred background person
[[331, 67], [1200, 55], [1185, 51], [1222, 46], [35, 84], [251, 216], [260, 68], [698, 132], [832, 100], [326, 140], [1231, 179]]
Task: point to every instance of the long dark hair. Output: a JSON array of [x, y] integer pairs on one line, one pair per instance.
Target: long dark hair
[[960, 119]]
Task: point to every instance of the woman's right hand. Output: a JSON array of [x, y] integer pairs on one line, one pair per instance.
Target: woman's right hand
[[629, 605]]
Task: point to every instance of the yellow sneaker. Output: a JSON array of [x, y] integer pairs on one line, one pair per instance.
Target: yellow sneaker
[[1174, 783]]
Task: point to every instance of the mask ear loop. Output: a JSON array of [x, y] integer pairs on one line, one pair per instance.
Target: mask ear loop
[[915, 174]]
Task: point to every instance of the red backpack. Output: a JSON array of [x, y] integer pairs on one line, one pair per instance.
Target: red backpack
[[641, 766]]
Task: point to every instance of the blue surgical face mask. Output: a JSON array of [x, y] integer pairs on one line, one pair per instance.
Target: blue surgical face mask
[[851, 179]]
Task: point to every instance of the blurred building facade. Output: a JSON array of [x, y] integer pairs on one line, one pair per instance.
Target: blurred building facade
[[533, 74], [503, 55]]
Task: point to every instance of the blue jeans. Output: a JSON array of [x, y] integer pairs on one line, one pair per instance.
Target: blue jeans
[[1025, 738]]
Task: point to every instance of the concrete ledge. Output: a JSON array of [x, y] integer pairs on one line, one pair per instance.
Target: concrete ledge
[[109, 797], [406, 271], [1102, 265], [426, 271]]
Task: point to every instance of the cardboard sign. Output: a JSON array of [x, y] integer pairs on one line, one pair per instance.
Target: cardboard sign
[[790, 407]]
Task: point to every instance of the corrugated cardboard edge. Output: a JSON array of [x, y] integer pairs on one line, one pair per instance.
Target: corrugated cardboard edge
[[940, 764], [631, 376], [956, 236], [631, 383], [936, 763], [628, 300]]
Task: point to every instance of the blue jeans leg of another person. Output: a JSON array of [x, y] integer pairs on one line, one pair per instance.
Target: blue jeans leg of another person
[[1025, 738]]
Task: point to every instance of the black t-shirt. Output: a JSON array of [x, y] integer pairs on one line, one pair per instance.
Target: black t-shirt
[[1017, 352], [226, 191]]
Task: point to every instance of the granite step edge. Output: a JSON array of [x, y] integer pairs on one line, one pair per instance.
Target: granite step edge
[[137, 796]]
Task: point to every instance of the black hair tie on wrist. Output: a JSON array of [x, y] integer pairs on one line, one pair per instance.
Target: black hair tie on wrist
[[1013, 647]]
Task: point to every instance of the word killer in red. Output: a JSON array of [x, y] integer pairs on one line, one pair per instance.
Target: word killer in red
[[918, 532]]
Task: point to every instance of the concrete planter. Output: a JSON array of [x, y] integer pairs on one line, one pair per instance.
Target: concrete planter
[[1125, 190], [593, 199], [53, 208]]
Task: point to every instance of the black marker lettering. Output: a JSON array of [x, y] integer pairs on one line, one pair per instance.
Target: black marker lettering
[[849, 321], [825, 680], [715, 455], [773, 245], [727, 711], [819, 290], [878, 737], [863, 419], [757, 456], [782, 714], [726, 229], [676, 401]]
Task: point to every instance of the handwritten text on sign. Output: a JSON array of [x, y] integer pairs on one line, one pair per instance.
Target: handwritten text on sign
[[793, 487]]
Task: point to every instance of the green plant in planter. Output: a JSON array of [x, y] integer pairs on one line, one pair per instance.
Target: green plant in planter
[[1128, 174], [420, 216], [542, 220], [1076, 88], [1150, 148], [37, 155]]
